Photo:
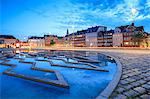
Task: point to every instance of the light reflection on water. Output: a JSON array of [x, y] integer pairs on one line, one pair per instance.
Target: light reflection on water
[[83, 83]]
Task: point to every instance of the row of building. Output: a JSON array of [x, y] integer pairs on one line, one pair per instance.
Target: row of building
[[7, 41], [47, 40], [97, 36]]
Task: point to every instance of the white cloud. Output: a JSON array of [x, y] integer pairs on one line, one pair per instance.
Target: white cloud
[[148, 3], [81, 15]]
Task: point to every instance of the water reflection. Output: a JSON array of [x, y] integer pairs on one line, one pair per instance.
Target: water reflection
[[83, 83]]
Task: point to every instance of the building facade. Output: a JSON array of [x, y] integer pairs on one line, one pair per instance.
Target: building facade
[[85, 38], [35, 41], [148, 41], [129, 33], [118, 37], [108, 41], [92, 35], [76, 39], [105, 38], [49, 39], [8, 41], [79, 39], [124, 35]]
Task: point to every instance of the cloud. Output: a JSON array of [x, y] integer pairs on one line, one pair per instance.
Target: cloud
[[83, 14]]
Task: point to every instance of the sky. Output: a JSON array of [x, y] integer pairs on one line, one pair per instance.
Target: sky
[[24, 18]]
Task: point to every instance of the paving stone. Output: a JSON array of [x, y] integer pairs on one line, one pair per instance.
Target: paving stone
[[123, 82], [120, 89], [125, 72], [145, 78], [148, 78], [131, 93], [146, 75], [129, 79], [141, 81], [124, 76], [114, 94], [145, 96], [120, 96], [131, 74], [140, 90], [136, 75], [134, 84], [141, 76], [146, 86], [127, 87]]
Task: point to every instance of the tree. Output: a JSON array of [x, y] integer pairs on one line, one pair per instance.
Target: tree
[[52, 42], [138, 38]]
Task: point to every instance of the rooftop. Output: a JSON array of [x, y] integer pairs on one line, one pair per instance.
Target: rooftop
[[7, 36], [50, 35], [89, 30], [36, 37]]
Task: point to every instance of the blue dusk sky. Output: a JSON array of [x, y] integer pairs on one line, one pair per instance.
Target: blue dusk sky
[[23, 18]]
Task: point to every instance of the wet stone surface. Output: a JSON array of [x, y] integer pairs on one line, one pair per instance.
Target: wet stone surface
[[135, 79]]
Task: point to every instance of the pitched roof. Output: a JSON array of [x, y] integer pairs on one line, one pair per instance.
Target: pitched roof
[[7, 36], [140, 28], [89, 30], [92, 29], [122, 28], [35, 37], [77, 33], [110, 31], [50, 35]]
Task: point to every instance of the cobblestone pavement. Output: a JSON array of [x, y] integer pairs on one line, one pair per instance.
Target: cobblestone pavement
[[135, 79]]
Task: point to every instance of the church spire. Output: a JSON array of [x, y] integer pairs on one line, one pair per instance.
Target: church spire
[[67, 32]]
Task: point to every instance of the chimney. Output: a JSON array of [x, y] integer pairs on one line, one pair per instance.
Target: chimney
[[132, 24]]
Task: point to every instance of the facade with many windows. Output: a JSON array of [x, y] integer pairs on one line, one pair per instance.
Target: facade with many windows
[[76, 39], [117, 39], [124, 35], [79, 39], [35, 41], [85, 38], [8, 41], [105, 38], [49, 38], [92, 35]]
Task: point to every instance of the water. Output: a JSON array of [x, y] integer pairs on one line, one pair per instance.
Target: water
[[3, 68], [83, 84], [60, 62]]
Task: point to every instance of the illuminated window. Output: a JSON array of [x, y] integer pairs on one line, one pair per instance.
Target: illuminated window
[[126, 43]]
